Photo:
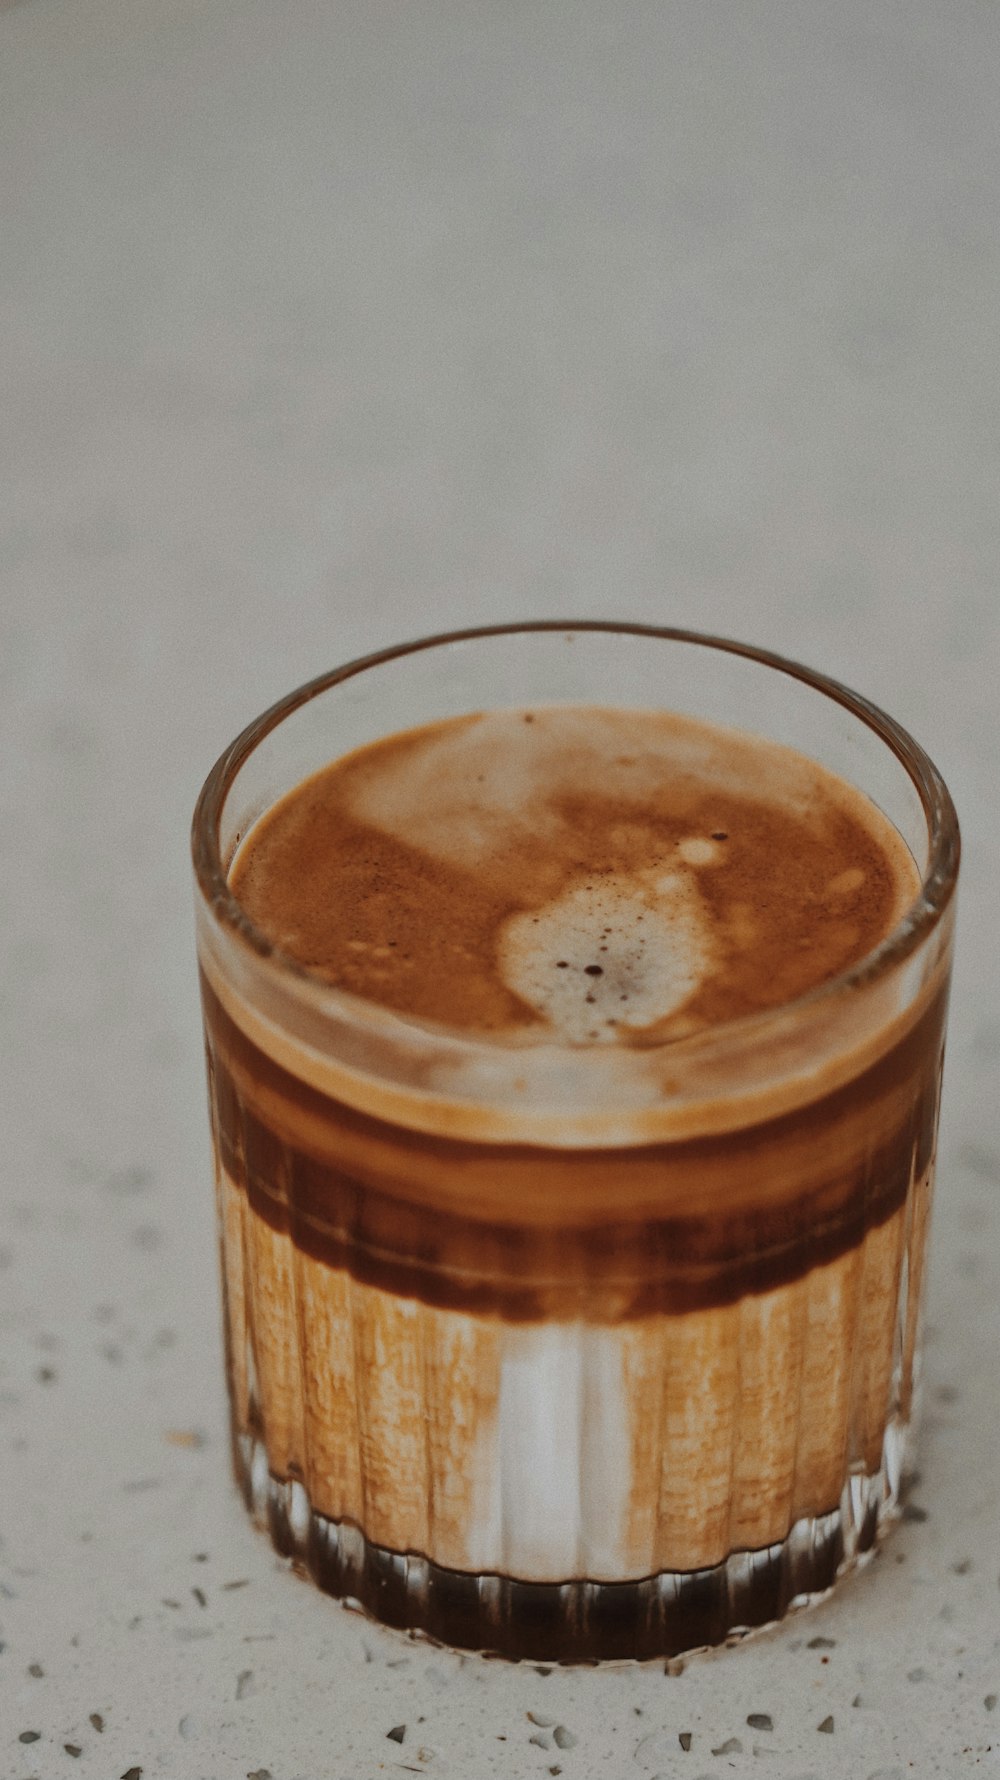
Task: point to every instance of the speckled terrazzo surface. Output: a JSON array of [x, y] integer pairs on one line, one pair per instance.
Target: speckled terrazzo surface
[[321, 327]]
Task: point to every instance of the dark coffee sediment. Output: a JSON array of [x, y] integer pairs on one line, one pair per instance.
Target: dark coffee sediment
[[577, 1360]]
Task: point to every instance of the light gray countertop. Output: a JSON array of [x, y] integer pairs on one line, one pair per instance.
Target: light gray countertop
[[327, 325]]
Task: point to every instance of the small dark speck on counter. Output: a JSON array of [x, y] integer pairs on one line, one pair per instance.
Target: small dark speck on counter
[[36, 1670], [540, 1669], [684, 1739], [244, 1582], [200, 1597], [731, 1746], [243, 1680], [97, 1721], [962, 1568], [397, 1733], [912, 1512], [259, 1774], [46, 1375], [555, 1770], [132, 1774], [990, 1702], [73, 1749], [29, 1736], [827, 1726], [760, 1721], [822, 1644], [917, 1675]]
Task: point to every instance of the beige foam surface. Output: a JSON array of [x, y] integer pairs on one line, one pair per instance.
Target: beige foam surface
[[596, 873]]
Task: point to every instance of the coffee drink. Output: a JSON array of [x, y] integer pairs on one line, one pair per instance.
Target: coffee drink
[[615, 1378]]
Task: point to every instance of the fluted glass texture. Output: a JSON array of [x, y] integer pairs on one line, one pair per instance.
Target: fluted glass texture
[[526, 1391]]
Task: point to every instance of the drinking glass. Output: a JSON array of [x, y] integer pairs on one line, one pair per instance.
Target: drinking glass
[[560, 1351]]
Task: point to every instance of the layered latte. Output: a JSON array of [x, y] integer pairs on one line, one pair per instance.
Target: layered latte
[[614, 1378]]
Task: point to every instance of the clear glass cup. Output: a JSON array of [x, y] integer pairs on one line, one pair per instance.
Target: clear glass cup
[[559, 1352]]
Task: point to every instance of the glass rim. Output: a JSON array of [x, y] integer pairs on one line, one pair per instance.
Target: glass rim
[[918, 921]]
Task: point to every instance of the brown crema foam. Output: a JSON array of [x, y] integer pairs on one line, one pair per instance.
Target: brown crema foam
[[601, 875], [464, 873]]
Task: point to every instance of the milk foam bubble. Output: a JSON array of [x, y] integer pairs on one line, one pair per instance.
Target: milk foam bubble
[[609, 953]]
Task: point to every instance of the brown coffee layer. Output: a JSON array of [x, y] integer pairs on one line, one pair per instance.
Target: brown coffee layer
[[527, 1233], [612, 873]]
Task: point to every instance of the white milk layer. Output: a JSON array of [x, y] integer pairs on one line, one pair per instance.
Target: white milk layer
[[609, 953], [556, 1456]]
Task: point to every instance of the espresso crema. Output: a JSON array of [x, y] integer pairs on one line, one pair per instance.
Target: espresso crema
[[601, 876]]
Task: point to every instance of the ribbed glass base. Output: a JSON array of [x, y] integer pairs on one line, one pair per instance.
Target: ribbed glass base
[[667, 1615]]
